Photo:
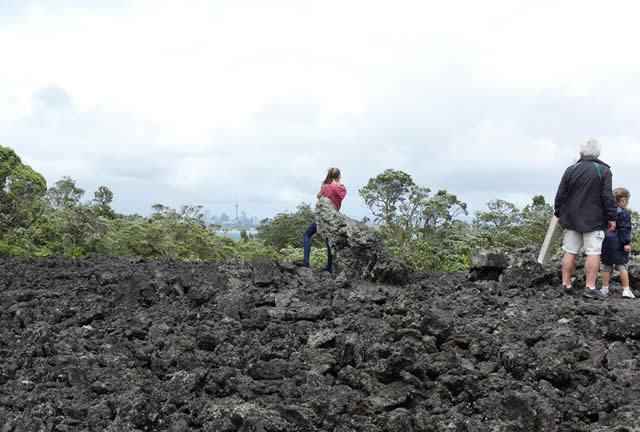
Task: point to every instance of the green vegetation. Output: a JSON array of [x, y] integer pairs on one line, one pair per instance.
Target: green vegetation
[[36, 221], [425, 229], [285, 229], [21, 192]]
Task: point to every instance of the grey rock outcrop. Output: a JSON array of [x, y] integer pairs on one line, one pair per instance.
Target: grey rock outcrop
[[358, 250], [518, 269], [487, 265], [524, 270]]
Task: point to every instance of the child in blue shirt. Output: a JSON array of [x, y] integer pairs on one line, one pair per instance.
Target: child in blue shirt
[[617, 245]]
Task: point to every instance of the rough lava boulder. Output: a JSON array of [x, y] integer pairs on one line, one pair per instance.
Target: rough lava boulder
[[358, 250]]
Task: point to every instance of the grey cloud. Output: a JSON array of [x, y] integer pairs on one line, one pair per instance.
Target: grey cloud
[[135, 169], [421, 134], [52, 96], [108, 148], [278, 152], [426, 131]]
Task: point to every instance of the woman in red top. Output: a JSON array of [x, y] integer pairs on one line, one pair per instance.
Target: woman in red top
[[332, 189]]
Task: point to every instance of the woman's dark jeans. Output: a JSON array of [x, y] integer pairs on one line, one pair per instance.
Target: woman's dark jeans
[[306, 242]]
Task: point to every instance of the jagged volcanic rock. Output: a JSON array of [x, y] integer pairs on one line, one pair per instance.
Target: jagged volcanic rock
[[359, 250], [113, 344], [487, 265]]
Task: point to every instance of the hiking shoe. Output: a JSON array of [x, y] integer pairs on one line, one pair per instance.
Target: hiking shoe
[[301, 263], [604, 291], [628, 293], [567, 289], [592, 293]]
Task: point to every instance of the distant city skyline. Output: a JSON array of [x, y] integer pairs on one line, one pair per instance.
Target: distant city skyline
[[223, 218]]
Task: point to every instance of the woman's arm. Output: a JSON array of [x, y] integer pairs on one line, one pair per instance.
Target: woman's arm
[[321, 193]]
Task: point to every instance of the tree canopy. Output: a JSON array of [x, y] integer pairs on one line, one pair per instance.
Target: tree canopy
[[427, 230], [21, 192]]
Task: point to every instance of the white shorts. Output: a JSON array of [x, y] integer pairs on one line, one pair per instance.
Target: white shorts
[[590, 241]]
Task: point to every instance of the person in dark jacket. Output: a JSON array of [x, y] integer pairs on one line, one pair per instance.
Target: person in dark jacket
[[617, 245], [585, 208]]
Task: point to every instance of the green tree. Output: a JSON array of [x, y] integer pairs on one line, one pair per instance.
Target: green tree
[[193, 213], [286, 229], [441, 208], [398, 204], [65, 193], [505, 226], [635, 229], [384, 193], [408, 218], [74, 230], [501, 214], [420, 228], [102, 199], [184, 235], [535, 219], [21, 192]]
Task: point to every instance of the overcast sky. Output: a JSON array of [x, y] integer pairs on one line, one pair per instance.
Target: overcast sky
[[203, 102]]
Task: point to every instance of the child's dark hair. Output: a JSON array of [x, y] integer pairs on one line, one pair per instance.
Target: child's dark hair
[[332, 174], [619, 193]]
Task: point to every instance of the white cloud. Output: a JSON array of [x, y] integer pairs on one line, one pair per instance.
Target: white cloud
[[200, 102]]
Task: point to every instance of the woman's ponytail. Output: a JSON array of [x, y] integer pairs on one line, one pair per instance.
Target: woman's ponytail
[[332, 174]]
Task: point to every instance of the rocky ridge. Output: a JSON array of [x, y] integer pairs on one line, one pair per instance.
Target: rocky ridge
[[114, 344]]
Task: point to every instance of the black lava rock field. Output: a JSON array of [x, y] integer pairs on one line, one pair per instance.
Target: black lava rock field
[[115, 344]]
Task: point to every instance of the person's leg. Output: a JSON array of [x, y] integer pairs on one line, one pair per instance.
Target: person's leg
[[329, 257], [592, 248], [571, 244], [568, 261], [606, 277], [624, 279], [591, 265], [306, 241]]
